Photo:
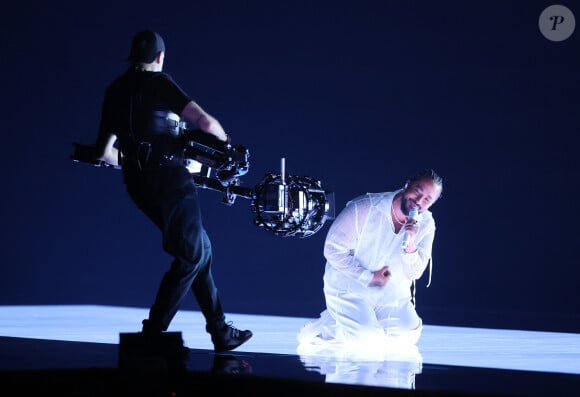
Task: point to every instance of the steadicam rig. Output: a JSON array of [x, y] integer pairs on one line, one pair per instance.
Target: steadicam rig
[[291, 205], [285, 205]]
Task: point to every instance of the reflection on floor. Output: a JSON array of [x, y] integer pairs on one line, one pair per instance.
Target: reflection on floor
[[451, 359]]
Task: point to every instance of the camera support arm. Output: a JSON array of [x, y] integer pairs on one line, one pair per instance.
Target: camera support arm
[[285, 205]]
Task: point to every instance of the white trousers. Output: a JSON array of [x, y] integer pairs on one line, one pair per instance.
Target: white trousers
[[355, 318]]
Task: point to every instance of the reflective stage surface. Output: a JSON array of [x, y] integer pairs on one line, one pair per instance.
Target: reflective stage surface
[[75, 350]]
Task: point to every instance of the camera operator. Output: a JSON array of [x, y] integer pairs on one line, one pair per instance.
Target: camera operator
[[141, 112]]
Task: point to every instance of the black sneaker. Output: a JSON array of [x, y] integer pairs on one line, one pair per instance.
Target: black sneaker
[[228, 337], [151, 329]]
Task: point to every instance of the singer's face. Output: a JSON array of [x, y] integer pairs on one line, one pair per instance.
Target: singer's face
[[421, 194]]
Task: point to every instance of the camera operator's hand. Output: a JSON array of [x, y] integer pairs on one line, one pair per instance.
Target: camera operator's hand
[[380, 277]]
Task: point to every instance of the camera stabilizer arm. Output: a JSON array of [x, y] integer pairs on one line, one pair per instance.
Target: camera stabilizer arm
[[284, 205], [214, 164]]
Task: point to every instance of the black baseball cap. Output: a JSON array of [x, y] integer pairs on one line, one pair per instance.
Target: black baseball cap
[[145, 46]]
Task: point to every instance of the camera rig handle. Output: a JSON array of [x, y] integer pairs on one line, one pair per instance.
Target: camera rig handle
[[285, 205]]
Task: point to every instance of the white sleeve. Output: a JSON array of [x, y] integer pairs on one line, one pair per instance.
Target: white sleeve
[[414, 264], [342, 240]]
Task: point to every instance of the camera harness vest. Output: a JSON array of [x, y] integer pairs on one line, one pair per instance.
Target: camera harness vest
[[162, 127]]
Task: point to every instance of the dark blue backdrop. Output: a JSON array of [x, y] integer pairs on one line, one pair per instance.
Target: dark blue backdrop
[[359, 95]]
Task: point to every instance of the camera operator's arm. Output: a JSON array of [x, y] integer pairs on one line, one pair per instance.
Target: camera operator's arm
[[105, 149], [195, 114]]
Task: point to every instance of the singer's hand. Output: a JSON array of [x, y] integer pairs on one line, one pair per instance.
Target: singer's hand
[[380, 277], [411, 227]]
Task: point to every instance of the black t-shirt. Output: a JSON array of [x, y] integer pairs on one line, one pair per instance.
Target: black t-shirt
[[131, 102]]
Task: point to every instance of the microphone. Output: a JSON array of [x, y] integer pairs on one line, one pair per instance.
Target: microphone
[[412, 215]]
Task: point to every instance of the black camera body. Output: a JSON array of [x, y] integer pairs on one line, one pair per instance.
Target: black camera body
[[291, 205]]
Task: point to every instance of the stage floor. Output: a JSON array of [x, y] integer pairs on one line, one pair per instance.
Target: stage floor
[[448, 359]]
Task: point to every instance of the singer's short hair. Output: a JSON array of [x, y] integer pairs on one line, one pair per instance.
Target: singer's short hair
[[431, 175]]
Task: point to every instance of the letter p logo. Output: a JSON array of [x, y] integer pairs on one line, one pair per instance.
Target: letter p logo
[[557, 23]]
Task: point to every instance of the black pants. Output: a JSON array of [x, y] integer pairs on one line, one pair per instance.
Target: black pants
[[168, 196]]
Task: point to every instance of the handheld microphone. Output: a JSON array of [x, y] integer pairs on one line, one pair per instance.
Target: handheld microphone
[[412, 215]]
